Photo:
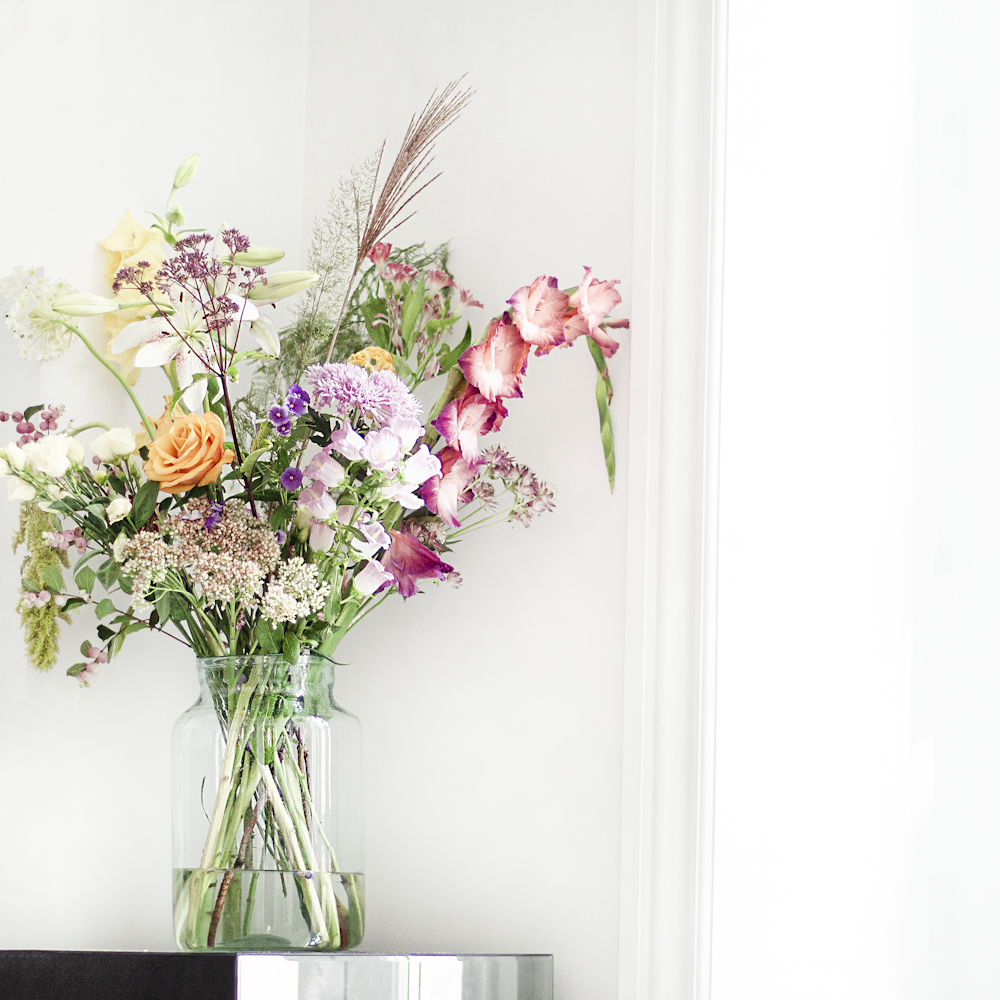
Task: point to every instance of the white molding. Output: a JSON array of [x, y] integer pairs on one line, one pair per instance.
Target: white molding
[[668, 763]]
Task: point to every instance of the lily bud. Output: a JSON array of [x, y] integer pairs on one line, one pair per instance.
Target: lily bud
[[175, 215], [186, 171], [258, 256], [83, 304], [282, 285]]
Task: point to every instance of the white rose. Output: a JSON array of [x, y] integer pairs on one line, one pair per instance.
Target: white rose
[[75, 452], [18, 490], [50, 455], [118, 508], [14, 456], [118, 546], [119, 442]]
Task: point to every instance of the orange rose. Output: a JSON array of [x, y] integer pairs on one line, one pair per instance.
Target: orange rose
[[188, 452]]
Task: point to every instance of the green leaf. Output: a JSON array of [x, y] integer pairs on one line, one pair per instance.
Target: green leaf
[[144, 503], [268, 637], [603, 393], [290, 647], [66, 506], [29, 585], [53, 580], [251, 460], [450, 359], [32, 410], [73, 603], [402, 368], [107, 573], [164, 603], [85, 647], [435, 326], [104, 632], [280, 516], [412, 309], [371, 308], [85, 579], [117, 485], [97, 509], [105, 608], [76, 669]]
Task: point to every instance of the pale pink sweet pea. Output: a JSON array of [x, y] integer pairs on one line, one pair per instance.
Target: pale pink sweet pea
[[373, 578], [382, 449], [464, 420], [442, 494], [407, 429], [402, 494], [495, 366], [420, 466], [327, 470], [348, 442], [321, 536], [592, 302], [376, 539], [537, 310], [315, 497]]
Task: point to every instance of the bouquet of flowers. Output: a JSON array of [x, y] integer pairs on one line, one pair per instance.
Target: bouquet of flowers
[[272, 520]]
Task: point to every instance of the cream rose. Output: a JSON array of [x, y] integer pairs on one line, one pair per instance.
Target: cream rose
[[19, 490], [53, 454], [119, 442], [189, 451], [117, 509]]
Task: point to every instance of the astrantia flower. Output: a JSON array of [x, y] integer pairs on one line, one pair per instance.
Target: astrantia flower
[[30, 317], [537, 310], [495, 366], [378, 395], [409, 562]]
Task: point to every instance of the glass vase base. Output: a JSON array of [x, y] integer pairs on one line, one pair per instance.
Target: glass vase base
[[267, 910]]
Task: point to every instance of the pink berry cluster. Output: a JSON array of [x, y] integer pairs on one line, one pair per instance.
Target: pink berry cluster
[[48, 420], [64, 539], [88, 673], [38, 600]]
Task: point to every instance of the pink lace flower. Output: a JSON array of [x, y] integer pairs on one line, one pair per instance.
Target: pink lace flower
[[464, 420], [589, 306], [495, 366], [442, 494], [537, 310], [409, 562]]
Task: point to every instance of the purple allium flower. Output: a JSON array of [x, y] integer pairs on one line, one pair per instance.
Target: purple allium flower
[[216, 508], [378, 395], [291, 478]]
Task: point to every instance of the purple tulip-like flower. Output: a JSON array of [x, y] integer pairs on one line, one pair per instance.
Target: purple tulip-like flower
[[291, 478]]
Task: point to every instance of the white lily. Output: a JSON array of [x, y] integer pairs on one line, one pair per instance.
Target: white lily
[[185, 339]]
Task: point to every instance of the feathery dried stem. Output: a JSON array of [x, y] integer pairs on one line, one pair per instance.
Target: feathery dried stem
[[400, 187]]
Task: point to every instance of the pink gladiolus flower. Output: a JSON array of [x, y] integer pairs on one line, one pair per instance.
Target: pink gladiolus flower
[[495, 366], [443, 493], [537, 310], [379, 254], [409, 562], [348, 442], [591, 303], [464, 420]]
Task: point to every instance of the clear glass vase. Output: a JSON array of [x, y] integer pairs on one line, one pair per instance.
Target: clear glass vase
[[267, 810]]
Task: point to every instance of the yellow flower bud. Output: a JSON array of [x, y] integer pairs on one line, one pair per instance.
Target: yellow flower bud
[[83, 304], [258, 257], [282, 285], [186, 171]]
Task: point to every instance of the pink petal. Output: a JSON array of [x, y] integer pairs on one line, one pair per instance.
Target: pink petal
[[537, 310], [442, 494], [495, 366], [408, 561]]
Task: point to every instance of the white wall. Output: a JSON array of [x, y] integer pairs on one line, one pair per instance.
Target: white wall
[[858, 808], [492, 714]]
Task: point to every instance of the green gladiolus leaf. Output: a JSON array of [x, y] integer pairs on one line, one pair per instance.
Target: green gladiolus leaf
[[449, 360], [412, 309]]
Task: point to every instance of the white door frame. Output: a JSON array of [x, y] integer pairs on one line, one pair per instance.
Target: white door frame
[[668, 765]]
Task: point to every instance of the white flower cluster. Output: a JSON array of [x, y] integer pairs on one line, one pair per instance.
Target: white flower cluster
[[294, 593], [41, 331]]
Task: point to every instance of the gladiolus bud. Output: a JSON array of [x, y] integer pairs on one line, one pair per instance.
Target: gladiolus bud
[[175, 215], [258, 257], [83, 304], [282, 285], [186, 171]]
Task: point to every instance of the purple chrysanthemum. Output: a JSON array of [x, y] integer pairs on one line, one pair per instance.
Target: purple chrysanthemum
[[291, 478], [380, 395]]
